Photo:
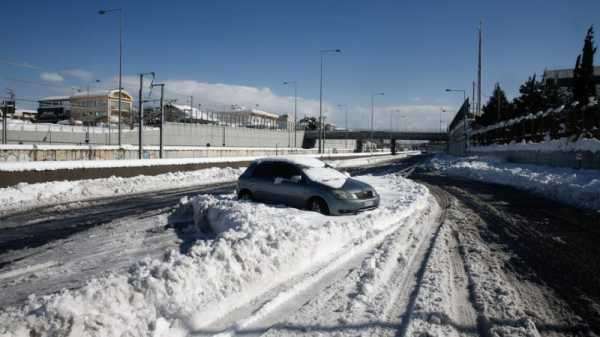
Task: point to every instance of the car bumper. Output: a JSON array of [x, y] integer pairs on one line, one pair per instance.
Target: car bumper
[[343, 207]]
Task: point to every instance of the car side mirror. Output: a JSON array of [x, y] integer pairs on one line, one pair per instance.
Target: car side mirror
[[296, 179], [278, 180]]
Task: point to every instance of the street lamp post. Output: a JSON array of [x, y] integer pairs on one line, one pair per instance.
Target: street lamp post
[[464, 92], [373, 112], [295, 106], [120, 11], [162, 119], [345, 122], [321, 129], [141, 115]]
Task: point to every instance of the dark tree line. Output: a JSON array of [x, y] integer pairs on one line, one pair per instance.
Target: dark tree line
[[543, 110]]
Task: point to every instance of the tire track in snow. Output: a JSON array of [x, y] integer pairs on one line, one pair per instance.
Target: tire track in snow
[[357, 302], [266, 315]]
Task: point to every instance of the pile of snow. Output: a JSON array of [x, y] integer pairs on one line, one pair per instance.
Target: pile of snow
[[257, 248], [562, 144], [580, 188], [25, 196]]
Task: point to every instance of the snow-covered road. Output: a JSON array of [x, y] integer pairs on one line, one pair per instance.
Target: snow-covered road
[[443, 260], [277, 249]]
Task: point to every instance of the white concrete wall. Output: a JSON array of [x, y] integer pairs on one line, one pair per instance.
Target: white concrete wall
[[175, 134]]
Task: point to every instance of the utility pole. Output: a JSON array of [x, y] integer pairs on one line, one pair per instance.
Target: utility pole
[[479, 70], [373, 112], [11, 101], [141, 118], [192, 108], [321, 128], [473, 101], [162, 119], [141, 115]]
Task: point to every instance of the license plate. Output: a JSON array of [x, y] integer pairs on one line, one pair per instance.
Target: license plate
[[369, 203]]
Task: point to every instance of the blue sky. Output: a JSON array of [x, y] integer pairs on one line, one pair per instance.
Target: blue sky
[[240, 52]]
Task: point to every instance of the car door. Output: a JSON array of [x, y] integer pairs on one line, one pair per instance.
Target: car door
[[287, 188], [261, 183]]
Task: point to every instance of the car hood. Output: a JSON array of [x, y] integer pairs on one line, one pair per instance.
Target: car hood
[[353, 185]]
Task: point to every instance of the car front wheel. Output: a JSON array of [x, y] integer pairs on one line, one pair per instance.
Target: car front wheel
[[245, 195], [318, 205]]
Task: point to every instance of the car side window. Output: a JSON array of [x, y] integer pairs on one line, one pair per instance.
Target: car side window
[[263, 171], [285, 170]]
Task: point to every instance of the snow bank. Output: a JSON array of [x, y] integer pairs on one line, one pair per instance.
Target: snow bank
[[257, 248], [25, 196], [579, 188], [562, 144]]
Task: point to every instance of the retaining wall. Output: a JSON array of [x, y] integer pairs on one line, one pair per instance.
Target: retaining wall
[[13, 153], [175, 134]]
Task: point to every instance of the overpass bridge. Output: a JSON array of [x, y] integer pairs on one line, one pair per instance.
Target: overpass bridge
[[362, 135], [366, 134]]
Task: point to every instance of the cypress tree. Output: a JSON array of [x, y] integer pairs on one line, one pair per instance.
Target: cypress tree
[[531, 99], [497, 108], [583, 74]]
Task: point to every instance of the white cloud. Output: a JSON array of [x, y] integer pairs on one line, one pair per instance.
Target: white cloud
[[220, 95], [51, 77], [80, 74]]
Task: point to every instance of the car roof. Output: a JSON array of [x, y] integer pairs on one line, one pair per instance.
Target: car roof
[[305, 161]]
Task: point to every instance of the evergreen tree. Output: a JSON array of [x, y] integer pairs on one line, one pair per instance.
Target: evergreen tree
[[553, 96], [531, 99], [497, 108], [583, 74]]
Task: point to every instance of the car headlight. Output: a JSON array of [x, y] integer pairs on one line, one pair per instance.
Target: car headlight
[[341, 194]]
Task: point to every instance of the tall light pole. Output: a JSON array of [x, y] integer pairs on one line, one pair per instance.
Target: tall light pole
[[295, 105], [441, 110], [373, 112], [162, 118], [400, 125], [120, 11], [464, 92], [321, 129], [141, 115], [345, 122]]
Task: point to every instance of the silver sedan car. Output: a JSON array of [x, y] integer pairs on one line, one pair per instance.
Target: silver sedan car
[[305, 183]]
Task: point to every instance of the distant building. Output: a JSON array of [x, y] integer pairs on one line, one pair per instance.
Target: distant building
[[101, 106], [91, 108], [563, 78], [53, 109], [25, 114], [249, 117], [185, 113], [282, 122]]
